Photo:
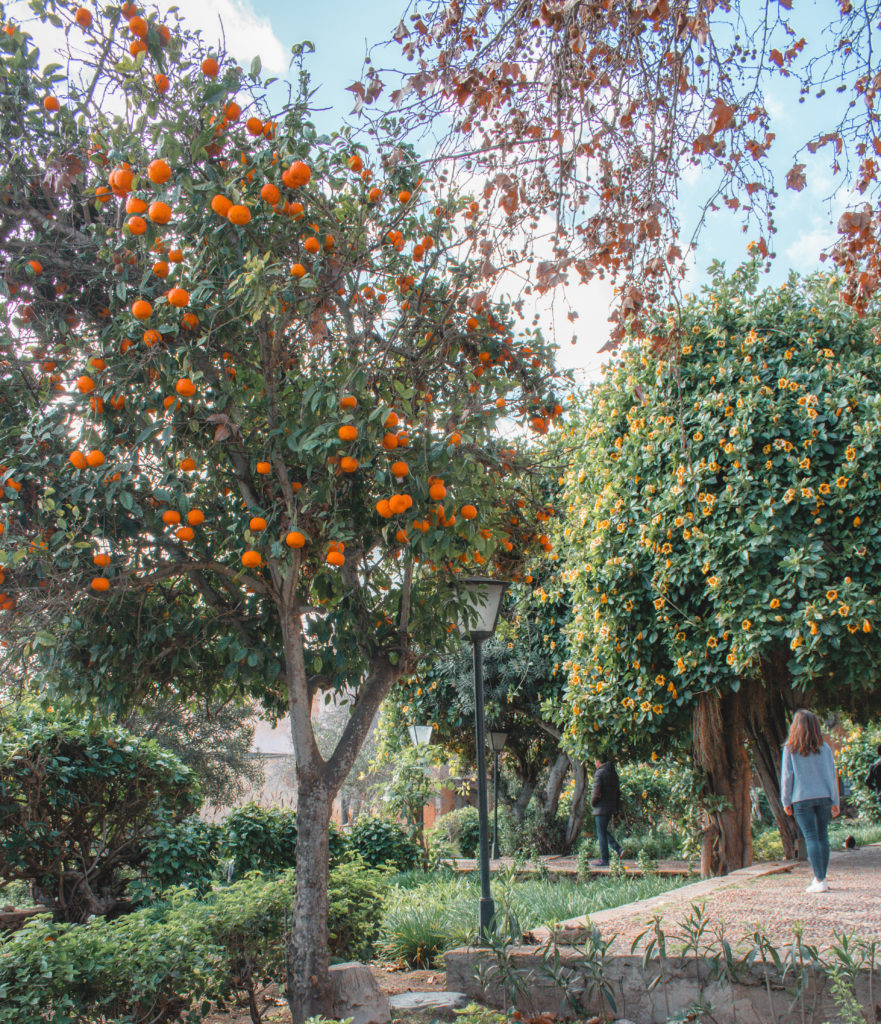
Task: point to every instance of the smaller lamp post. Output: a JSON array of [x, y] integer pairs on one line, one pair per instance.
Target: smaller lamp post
[[481, 614], [497, 745]]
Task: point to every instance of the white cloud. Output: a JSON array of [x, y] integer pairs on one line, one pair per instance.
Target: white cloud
[[245, 33]]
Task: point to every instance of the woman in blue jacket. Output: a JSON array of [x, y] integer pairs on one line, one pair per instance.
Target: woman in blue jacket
[[809, 790]]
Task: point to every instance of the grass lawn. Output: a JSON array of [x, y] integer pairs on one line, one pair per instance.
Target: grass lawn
[[429, 913]]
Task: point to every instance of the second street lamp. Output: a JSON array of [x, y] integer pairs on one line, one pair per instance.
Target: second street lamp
[[497, 745], [478, 623]]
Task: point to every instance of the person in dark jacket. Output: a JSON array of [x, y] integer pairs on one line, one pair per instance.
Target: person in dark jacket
[[605, 802]]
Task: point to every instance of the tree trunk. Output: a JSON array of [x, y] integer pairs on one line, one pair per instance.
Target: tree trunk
[[579, 804], [720, 752], [770, 703], [308, 959], [554, 785]]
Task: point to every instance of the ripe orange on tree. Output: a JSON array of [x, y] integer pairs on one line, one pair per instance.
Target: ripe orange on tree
[[348, 464], [158, 171], [95, 458], [188, 465], [85, 384], [347, 432], [161, 82], [221, 205], [77, 460], [298, 270], [257, 524], [51, 104], [263, 468], [170, 517], [210, 67], [295, 539], [83, 17], [252, 559], [400, 468], [469, 512], [141, 309], [270, 193], [348, 402], [195, 517], [178, 297], [298, 174], [185, 387], [239, 215], [101, 559], [159, 212], [100, 584]]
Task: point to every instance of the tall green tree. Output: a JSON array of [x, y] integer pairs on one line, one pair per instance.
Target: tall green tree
[[258, 387], [723, 537]]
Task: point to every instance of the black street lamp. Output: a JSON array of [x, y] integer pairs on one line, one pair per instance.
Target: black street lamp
[[497, 745], [479, 618]]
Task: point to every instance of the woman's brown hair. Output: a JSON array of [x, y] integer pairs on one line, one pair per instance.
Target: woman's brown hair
[[805, 736]]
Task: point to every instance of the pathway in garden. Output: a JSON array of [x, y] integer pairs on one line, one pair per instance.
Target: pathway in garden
[[770, 894]]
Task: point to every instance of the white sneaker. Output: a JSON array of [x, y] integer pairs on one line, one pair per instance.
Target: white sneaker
[[818, 886]]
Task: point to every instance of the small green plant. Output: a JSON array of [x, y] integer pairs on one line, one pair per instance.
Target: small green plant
[[461, 829], [183, 853], [259, 838]]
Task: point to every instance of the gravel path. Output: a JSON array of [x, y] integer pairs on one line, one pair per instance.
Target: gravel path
[[770, 895]]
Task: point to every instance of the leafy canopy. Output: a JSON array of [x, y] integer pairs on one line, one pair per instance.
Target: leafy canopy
[[724, 511]]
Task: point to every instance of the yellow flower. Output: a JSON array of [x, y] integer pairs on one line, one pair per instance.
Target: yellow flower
[[658, 602], [775, 603], [843, 610], [831, 595], [825, 489], [730, 658], [841, 482], [746, 625], [654, 756], [857, 521], [850, 454], [866, 627], [713, 581], [796, 642]]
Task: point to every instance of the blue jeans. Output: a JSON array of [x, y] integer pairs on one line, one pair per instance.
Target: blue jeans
[[813, 817], [605, 837]]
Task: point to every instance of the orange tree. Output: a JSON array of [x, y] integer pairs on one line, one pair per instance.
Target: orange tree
[[253, 397], [724, 537]]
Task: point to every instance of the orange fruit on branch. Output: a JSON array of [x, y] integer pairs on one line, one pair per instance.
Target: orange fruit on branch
[[257, 524], [185, 533], [210, 67], [95, 458], [437, 491], [336, 558], [263, 468], [254, 126], [137, 26], [347, 432], [295, 539], [161, 82], [77, 460], [298, 270], [233, 111], [348, 464], [135, 205], [195, 517], [158, 171], [252, 559], [170, 517], [188, 465], [469, 512], [100, 584], [400, 468], [85, 384], [239, 215], [83, 17], [220, 204], [312, 245], [101, 559], [36, 266], [179, 297], [348, 402], [299, 173], [136, 225], [185, 387], [161, 268], [384, 508], [141, 309], [270, 193], [356, 163], [159, 212]]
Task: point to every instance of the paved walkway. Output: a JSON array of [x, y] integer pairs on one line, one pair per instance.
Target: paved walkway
[[771, 895]]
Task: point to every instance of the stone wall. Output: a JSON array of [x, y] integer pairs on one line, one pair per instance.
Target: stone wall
[[561, 981]]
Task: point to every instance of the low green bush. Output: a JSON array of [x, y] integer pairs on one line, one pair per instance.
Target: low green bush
[[166, 961], [460, 829], [259, 838], [382, 841], [184, 853]]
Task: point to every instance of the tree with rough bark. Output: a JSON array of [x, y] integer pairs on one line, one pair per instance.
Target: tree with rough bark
[[583, 118], [524, 680], [723, 538], [256, 390]]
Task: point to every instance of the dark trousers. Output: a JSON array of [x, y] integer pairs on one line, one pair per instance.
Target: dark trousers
[[813, 817], [605, 837]]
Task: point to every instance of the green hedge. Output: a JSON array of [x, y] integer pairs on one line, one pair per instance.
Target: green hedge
[[170, 959], [382, 841], [265, 839]]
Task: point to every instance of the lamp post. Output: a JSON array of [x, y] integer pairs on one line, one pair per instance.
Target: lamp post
[[478, 623], [497, 745]]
